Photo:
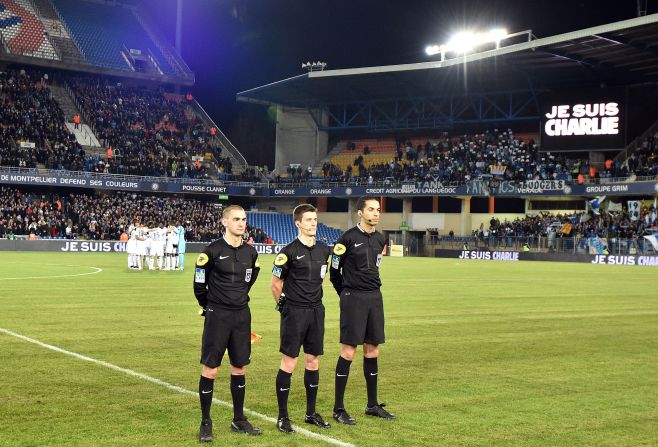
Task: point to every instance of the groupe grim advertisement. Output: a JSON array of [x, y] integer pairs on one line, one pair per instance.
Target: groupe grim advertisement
[[588, 120]]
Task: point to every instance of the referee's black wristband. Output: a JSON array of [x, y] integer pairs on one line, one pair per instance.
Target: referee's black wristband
[[280, 303]]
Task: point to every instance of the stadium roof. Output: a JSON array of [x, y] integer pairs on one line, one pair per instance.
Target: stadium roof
[[620, 53]]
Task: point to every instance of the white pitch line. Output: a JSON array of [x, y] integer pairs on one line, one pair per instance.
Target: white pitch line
[[130, 372], [98, 270]]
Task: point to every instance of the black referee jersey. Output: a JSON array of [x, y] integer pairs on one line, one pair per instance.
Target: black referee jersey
[[224, 275], [355, 260], [302, 268]]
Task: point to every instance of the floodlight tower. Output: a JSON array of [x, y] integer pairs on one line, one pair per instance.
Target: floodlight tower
[[314, 66], [179, 26], [179, 32]]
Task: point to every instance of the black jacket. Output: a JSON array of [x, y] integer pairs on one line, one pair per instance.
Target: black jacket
[[224, 275], [355, 260], [302, 269]]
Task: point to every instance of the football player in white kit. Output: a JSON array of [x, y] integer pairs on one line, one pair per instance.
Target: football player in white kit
[[159, 235], [141, 245], [170, 247], [131, 247], [148, 245]]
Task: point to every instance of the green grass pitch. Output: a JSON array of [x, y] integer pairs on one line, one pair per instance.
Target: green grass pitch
[[478, 353]]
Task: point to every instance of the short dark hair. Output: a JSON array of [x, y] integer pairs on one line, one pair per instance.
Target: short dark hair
[[299, 211], [361, 203], [226, 211]]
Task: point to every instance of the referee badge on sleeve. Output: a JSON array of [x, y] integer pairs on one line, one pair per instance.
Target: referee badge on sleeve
[[202, 260], [339, 249], [280, 259], [276, 271], [323, 271], [247, 275], [200, 275], [335, 262], [379, 259]]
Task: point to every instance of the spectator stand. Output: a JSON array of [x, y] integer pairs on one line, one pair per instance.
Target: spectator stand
[[103, 216]]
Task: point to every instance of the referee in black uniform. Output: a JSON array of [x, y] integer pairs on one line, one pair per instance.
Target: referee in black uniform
[[223, 276], [297, 276], [355, 276]]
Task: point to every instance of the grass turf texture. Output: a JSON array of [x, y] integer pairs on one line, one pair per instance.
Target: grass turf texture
[[478, 353]]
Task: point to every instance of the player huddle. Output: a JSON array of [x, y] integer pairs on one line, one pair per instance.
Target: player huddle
[[228, 268], [157, 247]]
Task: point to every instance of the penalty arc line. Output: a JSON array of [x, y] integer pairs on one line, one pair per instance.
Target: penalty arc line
[[130, 372], [97, 270]]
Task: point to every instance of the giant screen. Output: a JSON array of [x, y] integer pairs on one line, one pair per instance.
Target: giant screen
[[583, 120]]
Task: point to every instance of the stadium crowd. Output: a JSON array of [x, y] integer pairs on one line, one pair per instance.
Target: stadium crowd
[[32, 129], [153, 133], [493, 154], [107, 216], [644, 161], [24, 213], [604, 225], [148, 131]]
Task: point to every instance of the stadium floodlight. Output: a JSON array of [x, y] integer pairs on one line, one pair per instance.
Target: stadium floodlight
[[497, 34], [466, 41], [431, 50], [314, 66], [463, 42]]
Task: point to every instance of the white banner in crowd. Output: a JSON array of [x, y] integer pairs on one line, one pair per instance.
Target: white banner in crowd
[[634, 209], [614, 207], [654, 241]]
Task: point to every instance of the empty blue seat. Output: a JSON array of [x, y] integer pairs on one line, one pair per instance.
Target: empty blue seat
[[102, 31], [282, 229]]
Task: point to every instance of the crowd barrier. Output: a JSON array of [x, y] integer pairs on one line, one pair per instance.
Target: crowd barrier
[[643, 186], [515, 256], [80, 246]]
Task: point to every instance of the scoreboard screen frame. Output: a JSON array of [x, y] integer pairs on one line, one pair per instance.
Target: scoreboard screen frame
[[583, 120]]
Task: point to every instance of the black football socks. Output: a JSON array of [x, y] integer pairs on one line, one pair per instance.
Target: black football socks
[[282, 391], [205, 396], [342, 374], [311, 382], [370, 371], [237, 393]]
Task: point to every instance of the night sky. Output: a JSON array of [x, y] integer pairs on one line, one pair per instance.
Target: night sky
[[235, 45]]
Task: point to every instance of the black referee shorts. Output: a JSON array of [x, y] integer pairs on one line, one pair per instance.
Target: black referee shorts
[[302, 326], [226, 330], [361, 317]]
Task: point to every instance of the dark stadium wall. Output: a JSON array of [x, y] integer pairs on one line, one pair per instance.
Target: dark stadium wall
[[298, 140], [642, 110], [254, 133], [335, 204]]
